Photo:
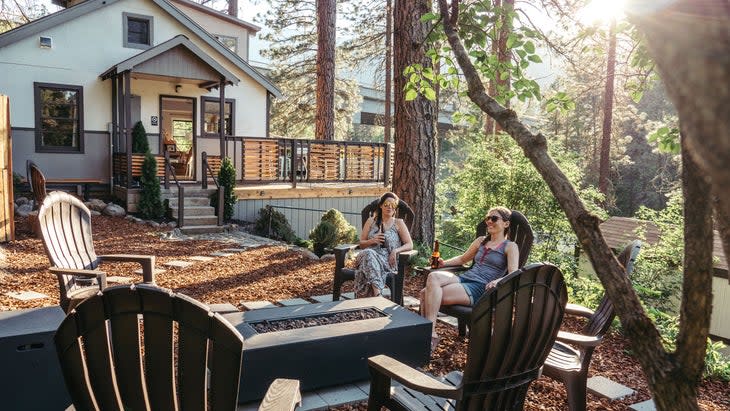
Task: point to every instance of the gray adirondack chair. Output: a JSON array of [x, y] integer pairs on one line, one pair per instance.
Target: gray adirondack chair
[[513, 327]]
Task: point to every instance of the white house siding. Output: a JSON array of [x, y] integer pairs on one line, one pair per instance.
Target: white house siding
[[720, 320], [219, 26], [85, 47], [305, 213]]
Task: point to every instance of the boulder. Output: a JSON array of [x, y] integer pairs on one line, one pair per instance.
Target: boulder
[[96, 204], [22, 200], [113, 210], [24, 210]]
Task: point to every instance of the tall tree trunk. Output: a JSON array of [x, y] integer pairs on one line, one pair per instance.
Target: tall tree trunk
[[414, 175], [672, 375], [608, 94], [325, 117], [499, 48], [693, 63], [388, 68]]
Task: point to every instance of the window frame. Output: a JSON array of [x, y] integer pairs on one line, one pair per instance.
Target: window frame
[[207, 99], [39, 146], [225, 36], [125, 24]]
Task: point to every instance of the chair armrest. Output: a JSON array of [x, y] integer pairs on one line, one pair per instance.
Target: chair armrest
[[60, 272], [405, 256], [146, 261], [412, 378], [579, 339], [575, 309], [283, 395]]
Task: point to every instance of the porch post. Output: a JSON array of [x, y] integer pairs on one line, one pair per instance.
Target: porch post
[[113, 138], [127, 125], [221, 120]]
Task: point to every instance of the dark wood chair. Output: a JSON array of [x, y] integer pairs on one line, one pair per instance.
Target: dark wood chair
[[141, 347], [521, 233], [64, 224], [512, 331], [571, 354], [394, 282], [37, 182]]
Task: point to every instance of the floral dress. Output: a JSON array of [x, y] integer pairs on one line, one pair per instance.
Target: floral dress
[[371, 264]]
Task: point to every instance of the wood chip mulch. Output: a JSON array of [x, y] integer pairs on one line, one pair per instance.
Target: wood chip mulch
[[277, 272]]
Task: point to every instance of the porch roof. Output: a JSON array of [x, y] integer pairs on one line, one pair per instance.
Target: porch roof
[[162, 60]]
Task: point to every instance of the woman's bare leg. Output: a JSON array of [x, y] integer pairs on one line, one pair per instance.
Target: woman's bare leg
[[441, 287]]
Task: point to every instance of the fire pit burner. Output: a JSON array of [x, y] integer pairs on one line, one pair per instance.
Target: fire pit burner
[[267, 326]]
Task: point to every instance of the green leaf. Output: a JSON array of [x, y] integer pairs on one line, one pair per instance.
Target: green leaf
[[529, 47], [534, 58], [429, 93], [428, 17], [411, 95]]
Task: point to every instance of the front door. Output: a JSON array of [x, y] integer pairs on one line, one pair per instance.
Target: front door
[[177, 134]]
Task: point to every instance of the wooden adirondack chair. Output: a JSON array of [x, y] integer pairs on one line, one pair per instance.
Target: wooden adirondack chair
[[64, 224], [513, 328], [141, 347], [521, 233], [37, 182], [571, 354], [394, 282]]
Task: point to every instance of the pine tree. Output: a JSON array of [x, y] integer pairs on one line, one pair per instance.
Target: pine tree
[[140, 144], [150, 205], [227, 180]]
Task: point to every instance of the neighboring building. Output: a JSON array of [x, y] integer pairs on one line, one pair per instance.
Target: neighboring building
[[80, 78]]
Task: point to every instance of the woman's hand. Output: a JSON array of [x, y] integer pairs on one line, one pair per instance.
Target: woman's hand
[[378, 238], [393, 259]]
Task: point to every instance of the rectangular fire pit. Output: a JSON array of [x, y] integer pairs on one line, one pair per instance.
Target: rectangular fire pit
[[331, 354]]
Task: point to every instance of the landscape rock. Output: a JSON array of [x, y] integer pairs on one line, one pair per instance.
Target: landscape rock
[[24, 210], [308, 254], [94, 213], [114, 210], [153, 224], [327, 257], [96, 204], [21, 200]]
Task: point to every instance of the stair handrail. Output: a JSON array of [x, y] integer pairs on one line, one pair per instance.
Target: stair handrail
[[206, 171], [180, 190]]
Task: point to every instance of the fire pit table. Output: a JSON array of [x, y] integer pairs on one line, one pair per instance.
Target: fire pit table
[[326, 352]]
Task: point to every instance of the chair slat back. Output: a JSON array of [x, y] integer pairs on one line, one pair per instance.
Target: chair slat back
[[404, 211], [37, 182], [603, 316], [160, 361], [512, 331], [520, 232]]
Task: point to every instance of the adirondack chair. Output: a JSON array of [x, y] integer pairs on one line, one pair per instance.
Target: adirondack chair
[[37, 182], [142, 347], [394, 282], [64, 224], [513, 328], [521, 233], [571, 354]]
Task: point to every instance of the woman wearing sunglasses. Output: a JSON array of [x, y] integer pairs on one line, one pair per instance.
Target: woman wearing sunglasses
[[383, 237], [494, 256]]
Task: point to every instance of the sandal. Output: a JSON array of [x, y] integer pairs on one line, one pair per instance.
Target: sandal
[[434, 342]]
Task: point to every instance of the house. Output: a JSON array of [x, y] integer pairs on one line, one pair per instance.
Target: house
[[79, 79]]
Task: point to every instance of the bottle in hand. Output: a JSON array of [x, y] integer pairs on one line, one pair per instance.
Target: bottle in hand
[[384, 244], [436, 255]]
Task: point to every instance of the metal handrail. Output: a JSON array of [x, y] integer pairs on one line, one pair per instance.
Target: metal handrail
[[207, 170], [180, 190]]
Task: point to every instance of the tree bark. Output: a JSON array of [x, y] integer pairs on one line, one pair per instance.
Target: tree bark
[[414, 174], [693, 63], [388, 68], [665, 371], [604, 169], [499, 48], [325, 117]]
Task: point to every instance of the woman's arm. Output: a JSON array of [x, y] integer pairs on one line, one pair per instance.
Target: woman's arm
[[405, 236], [513, 257], [467, 256], [364, 240]]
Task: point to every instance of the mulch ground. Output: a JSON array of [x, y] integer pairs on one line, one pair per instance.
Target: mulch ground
[[277, 272]]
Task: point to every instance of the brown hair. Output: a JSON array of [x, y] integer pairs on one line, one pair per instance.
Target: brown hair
[[506, 214], [383, 199]]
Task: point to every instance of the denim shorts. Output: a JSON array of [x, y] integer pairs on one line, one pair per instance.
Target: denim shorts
[[474, 289]]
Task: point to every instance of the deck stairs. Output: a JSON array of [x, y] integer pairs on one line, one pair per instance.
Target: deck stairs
[[198, 215]]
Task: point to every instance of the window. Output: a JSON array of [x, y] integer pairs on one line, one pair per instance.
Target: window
[[211, 116], [182, 133], [137, 31], [59, 120], [228, 41]]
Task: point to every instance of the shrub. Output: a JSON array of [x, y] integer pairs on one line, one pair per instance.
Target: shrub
[[150, 205], [273, 224], [227, 180], [332, 230], [140, 144]]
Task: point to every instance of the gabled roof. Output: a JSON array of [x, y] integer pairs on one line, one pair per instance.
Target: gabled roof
[[151, 53], [217, 14], [78, 10]]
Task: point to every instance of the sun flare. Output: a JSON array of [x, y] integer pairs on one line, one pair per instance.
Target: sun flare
[[600, 11]]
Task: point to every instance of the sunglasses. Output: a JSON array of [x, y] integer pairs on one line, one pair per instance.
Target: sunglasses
[[493, 218], [390, 204]]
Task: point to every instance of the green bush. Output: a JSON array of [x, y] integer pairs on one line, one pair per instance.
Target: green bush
[[150, 204], [140, 144], [227, 180], [332, 230], [273, 224]]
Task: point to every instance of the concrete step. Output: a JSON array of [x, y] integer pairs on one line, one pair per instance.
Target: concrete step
[[200, 220], [190, 201], [201, 229], [189, 191], [190, 210]]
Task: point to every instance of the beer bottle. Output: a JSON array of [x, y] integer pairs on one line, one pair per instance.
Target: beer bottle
[[435, 255]]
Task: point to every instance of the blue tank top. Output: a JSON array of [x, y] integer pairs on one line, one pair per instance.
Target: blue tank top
[[489, 264]]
